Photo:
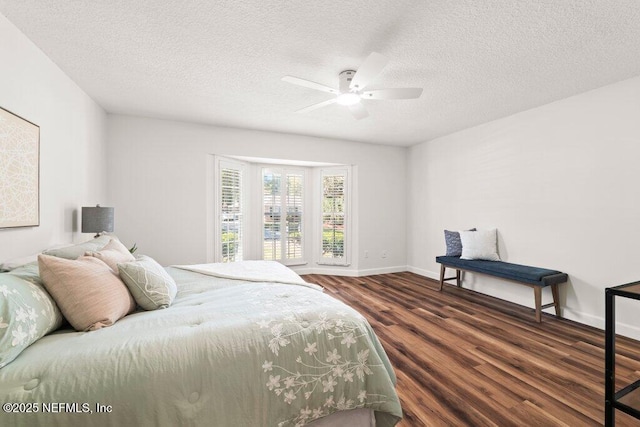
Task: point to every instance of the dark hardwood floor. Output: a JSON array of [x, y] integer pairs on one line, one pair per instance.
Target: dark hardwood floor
[[463, 358]]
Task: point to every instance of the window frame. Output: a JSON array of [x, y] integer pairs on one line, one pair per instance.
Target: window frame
[[345, 260], [253, 210], [221, 163], [284, 171]]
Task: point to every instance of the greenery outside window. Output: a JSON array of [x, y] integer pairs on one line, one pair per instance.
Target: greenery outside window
[[334, 202]]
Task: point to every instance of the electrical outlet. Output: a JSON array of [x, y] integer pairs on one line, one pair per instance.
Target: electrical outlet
[[383, 254], [366, 254]]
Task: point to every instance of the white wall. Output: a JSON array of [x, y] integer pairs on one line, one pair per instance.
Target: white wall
[[72, 142], [561, 184], [157, 182]]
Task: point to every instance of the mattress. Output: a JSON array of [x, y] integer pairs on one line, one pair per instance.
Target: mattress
[[226, 353]]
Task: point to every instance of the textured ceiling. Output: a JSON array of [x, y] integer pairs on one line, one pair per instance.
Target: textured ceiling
[[220, 62]]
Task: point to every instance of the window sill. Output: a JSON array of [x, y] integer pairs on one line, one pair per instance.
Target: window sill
[[295, 263], [334, 264]]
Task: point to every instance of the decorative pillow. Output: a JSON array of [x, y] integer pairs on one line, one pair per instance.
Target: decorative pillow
[[113, 254], [481, 244], [75, 251], [453, 242], [27, 312], [89, 294], [149, 283]]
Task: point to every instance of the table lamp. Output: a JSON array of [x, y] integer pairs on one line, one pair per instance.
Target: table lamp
[[97, 220]]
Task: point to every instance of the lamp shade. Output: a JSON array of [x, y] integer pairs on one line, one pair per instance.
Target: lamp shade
[[97, 219]]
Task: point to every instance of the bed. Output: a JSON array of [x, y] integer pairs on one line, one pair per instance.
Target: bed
[[227, 352]]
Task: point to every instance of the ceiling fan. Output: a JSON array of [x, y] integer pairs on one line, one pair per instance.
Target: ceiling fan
[[352, 85]]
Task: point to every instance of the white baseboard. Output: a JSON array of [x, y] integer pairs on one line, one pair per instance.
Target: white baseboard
[[581, 317], [425, 273], [384, 270], [631, 331], [337, 271], [333, 271]]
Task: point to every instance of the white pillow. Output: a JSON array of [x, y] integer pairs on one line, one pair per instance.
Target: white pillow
[[481, 244]]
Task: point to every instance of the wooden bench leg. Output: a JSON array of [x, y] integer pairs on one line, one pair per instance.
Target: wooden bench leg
[[537, 294], [556, 299], [458, 277]]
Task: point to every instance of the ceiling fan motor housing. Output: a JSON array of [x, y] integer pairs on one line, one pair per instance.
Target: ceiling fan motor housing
[[345, 80]]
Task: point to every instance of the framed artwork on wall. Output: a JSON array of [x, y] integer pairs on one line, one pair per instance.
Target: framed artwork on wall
[[19, 171]]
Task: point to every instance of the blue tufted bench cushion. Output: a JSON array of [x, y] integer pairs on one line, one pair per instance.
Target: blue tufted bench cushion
[[519, 273]]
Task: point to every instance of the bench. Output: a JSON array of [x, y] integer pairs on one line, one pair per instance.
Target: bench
[[534, 277]]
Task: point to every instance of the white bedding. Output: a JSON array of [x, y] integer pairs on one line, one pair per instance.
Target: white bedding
[[252, 271]]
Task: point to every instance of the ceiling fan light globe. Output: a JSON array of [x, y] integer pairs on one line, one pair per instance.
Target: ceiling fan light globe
[[348, 98]]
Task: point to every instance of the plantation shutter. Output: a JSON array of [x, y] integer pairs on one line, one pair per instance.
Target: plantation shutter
[[282, 196], [334, 217], [294, 216], [272, 215], [231, 212]]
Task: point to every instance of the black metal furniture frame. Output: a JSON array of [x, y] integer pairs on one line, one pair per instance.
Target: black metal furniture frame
[[612, 398]]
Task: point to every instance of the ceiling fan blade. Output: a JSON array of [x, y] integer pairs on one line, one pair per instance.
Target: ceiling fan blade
[[358, 111], [309, 84], [318, 105], [370, 68], [398, 93]]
